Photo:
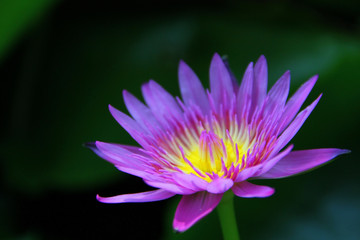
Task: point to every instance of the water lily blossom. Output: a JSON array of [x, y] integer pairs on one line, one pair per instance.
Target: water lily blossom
[[212, 141]]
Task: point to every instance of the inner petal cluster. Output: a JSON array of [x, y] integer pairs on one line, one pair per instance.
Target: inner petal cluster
[[212, 150], [214, 157]]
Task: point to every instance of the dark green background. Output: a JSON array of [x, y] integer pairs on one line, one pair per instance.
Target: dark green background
[[63, 62]]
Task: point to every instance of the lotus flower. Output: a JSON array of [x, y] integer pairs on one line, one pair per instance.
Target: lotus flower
[[211, 142]]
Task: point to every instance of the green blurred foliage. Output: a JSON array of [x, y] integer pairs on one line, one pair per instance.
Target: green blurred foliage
[[74, 61], [16, 17]]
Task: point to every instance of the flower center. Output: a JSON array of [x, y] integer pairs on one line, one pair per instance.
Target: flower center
[[214, 157]]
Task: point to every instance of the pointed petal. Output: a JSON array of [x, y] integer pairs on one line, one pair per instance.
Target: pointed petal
[[247, 173], [232, 76], [127, 159], [150, 196], [220, 81], [260, 82], [141, 113], [191, 89], [254, 171], [169, 186], [133, 149], [92, 146], [131, 126], [245, 90], [295, 102], [137, 171], [118, 155], [268, 164], [249, 190], [220, 185], [194, 207], [278, 93], [161, 103], [299, 161], [190, 181], [294, 127]]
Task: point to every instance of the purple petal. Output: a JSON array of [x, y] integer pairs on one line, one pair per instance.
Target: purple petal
[[141, 113], [278, 93], [269, 163], [247, 173], [260, 82], [92, 146], [161, 103], [135, 171], [220, 185], [299, 161], [190, 181], [194, 207], [295, 102], [294, 127], [245, 90], [118, 155], [169, 186], [249, 190], [192, 91], [150, 196], [232, 76], [131, 126], [254, 171], [133, 149], [127, 159], [220, 81]]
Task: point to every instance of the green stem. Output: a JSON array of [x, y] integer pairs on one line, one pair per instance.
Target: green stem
[[227, 217]]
